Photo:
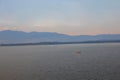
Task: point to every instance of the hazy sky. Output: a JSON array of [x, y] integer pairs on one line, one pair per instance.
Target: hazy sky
[[74, 17]]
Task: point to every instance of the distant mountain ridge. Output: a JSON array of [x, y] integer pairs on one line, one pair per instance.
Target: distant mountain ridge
[[9, 36]]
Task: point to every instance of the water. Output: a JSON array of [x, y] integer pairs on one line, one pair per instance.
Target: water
[[61, 62]]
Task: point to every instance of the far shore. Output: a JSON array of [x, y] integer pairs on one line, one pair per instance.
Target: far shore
[[58, 43]]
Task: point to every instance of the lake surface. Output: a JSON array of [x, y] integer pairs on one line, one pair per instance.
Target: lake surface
[[61, 62]]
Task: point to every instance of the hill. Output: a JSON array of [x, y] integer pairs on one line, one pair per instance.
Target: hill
[[9, 36]]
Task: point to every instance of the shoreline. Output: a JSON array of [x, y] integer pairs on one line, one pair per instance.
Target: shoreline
[[57, 43]]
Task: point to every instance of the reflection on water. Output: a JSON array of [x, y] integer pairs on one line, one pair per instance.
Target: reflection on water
[[61, 62]]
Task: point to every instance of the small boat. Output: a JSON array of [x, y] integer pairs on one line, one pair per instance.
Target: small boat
[[78, 52]]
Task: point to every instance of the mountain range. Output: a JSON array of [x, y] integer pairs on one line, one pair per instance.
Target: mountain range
[[9, 36]]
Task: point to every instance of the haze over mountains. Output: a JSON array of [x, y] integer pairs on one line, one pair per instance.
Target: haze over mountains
[[9, 36]]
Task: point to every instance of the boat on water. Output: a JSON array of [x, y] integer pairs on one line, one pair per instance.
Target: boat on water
[[78, 52]]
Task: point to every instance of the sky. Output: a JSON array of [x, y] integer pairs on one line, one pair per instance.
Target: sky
[[73, 17]]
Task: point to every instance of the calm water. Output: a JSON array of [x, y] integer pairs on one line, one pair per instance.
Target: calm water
[[61, 62]]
